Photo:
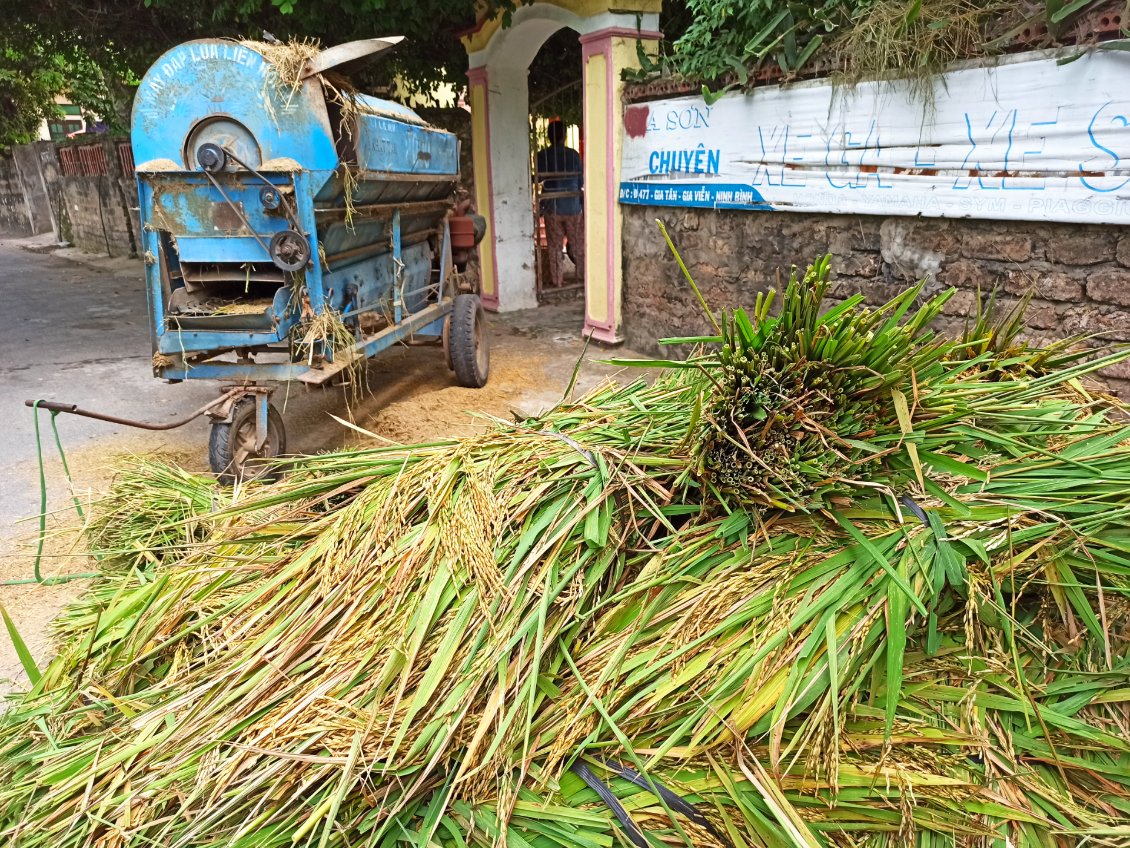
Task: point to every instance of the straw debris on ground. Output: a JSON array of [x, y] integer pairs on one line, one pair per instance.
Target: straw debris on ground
[[835, 581]]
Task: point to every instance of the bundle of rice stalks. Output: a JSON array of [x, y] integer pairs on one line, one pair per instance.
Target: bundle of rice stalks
[[289, 60], [805, 400], [156, 512], [572, 631], [931, 652]]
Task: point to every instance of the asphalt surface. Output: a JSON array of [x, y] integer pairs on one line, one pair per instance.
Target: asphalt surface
[[78, 331], [75, 328]]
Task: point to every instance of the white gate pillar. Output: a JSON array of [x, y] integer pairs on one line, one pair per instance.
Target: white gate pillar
[[606, 53], [500, 137]]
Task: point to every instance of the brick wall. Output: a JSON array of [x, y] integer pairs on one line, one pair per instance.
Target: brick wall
[[93, 196], [1079, 275]]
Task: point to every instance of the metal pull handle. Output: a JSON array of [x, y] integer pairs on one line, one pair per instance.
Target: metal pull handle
[[52, 405], [73, 409]]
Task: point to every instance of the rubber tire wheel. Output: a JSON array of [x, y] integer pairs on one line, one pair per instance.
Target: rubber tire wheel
[[221, 451], [447, 343], [470, 353]]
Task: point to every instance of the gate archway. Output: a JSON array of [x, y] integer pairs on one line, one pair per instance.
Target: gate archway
[[499, 57]]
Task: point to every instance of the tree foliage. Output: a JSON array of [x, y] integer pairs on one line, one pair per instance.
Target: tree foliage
[[94, 49], [36, 66], [727, 36], [29, 81]]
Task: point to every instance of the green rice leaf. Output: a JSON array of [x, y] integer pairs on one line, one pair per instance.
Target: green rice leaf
[[21, 648]]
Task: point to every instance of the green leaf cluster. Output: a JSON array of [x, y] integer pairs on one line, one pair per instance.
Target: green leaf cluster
[[728, 37], [726, 42], [95, 53], [39, 65]]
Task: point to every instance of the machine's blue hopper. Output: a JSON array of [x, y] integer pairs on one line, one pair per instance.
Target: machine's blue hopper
[[279, 205]]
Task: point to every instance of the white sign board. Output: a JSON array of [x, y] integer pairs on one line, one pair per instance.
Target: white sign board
[[1028, 139]]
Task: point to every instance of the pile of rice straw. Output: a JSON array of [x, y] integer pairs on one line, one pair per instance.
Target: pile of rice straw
[[833, 581]]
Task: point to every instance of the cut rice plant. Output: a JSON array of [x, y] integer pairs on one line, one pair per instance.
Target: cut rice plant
[[326, 336], [289, 61], [916, 40], [834, 581], [155, 512], [806, 402]]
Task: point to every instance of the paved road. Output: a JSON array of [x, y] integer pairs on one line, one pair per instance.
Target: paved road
[[74, 333], [80, 333]]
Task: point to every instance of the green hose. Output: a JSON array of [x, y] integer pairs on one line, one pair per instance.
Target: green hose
[[39, 578]]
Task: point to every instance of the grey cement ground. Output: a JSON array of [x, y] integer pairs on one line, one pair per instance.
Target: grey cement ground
[[75, 328]]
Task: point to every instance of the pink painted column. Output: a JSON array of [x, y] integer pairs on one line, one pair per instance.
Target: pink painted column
[[604, 54]]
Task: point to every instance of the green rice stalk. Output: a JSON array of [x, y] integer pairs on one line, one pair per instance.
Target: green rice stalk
[[907, 625]]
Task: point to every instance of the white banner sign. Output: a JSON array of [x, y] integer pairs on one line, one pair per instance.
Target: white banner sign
[[1025, 140]]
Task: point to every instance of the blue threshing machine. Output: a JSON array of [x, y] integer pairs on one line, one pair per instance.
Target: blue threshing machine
[[291, 227]]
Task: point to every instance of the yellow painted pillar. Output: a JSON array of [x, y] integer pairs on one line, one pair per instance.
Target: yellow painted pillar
[[484, 183], [605, 53]]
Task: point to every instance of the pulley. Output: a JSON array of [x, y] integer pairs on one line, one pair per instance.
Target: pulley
[[270, 198], [211, 157], [289, 250]]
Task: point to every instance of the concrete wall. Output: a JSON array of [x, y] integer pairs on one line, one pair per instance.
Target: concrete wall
[[14, 218], [99, 221], [28, 165], [24, 206], [1079, 275]]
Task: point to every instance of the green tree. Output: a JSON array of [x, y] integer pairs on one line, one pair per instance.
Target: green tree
[[29, 81], [94, 50]]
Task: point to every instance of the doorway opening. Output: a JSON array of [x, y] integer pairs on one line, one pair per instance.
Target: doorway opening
[[557, 148]]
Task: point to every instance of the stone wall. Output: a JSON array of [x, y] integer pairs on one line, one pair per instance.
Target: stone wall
[[14, 218], [1079, 275]]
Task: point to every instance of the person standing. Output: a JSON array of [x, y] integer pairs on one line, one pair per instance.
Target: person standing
[[563, 219]]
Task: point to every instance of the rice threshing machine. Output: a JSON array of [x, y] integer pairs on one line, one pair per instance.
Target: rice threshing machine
[[290, 229]]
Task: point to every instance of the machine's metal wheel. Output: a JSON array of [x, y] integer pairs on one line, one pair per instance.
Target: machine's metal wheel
[[231, 445], [470, 351]]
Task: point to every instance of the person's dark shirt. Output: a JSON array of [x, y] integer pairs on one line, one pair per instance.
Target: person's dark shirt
[[555, 160]]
